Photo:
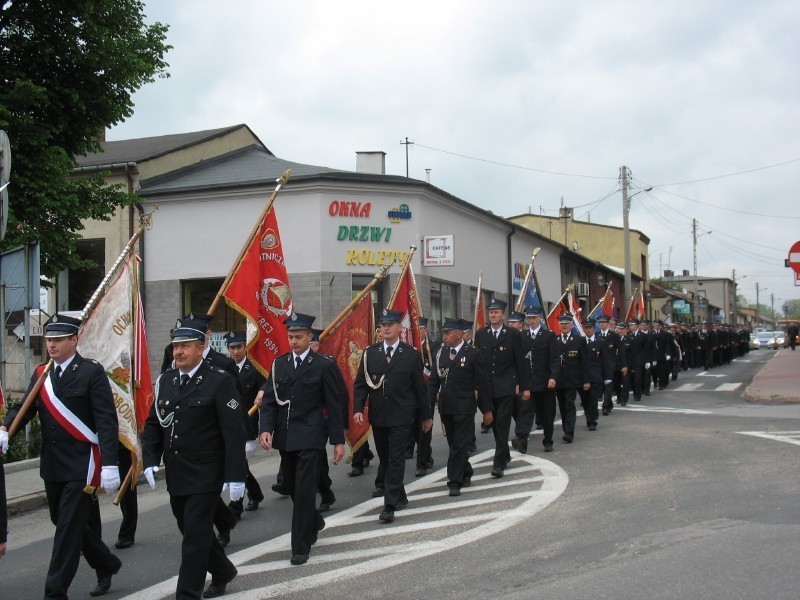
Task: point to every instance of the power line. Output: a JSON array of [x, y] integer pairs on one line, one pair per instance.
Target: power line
[[788, 162], [502, 164], [738, 239]]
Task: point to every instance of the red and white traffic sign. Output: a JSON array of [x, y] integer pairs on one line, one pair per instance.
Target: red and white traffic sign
[[794, 257]]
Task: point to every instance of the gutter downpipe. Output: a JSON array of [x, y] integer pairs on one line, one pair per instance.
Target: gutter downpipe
[[510, 265]]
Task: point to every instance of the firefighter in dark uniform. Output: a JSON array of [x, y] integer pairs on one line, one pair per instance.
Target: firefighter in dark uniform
[[639, 359], [502, 352], [646, 332], [66, 463], [622, 378], [390, 378], [600, 367], [458, 376], [544, 363], [663, 349], [196, 424], [251, 381], [574, 373], [300, 389], [618, 361], [423, 438], [705, 346]]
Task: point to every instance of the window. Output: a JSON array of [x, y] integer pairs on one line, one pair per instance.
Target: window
[[198, 296], [82, 283], [443, 304], [359, 283]]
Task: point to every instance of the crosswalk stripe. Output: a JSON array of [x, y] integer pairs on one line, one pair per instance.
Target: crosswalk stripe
[[727, 387], [790, 437], [689, 387]]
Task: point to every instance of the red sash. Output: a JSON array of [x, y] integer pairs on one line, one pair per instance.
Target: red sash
[[75, 427]]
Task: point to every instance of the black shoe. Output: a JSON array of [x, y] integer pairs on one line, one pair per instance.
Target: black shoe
[[279, 488], [402, 504], [421, 472], [316, 533], [472, 449], [606, 412], [121, 544], [647, 393], [356, 471], [567, 438], [104, 581], [467, 481], [378, 492], [624, 403], [325, 505], [253, 504], [215, 590], [515, 444], [523, 447], [539, 427], [548, 446], [429, 464], [497, 472], [299, 559], [455, 491], [593, 427], [387, 515]]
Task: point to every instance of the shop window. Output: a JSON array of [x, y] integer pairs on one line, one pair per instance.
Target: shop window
[[197, 295], [443, 304]]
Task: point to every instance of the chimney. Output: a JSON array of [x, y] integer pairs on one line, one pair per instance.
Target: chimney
[[686, 272], [371, 162], [565, 212], [668, 273]]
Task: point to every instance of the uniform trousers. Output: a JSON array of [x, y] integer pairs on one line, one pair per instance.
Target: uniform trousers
[[362, 456], [544, 406], [390, 442], [254, 493], [459, 430], [503, 408], [423, 440], [608, 392], [324, 481], [664, 370], [589, 400], [201, 552], [301, 474], [76, 516], [524, 413], [566, 406], [636, 375], [130, 501]]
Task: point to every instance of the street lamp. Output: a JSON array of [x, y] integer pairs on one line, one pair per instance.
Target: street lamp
[[626, 207], [735, 300]]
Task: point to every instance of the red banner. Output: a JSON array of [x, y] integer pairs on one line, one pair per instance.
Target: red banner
[[480, 313], [636, 309], [559, 309], [346, 345], [405, 300], [259, 291], [143, 382]]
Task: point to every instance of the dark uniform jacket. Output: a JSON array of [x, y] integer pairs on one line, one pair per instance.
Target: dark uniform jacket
[[619, 357], [393, 402], [251, 381], [574, 362], [542, 355], [504, 360], [601, 368], [639, 349], [198, 429], [456, 381], [301, 424], [84, 390], [662, 345]]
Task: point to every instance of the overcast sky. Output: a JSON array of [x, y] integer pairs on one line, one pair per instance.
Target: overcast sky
[[516, 104]]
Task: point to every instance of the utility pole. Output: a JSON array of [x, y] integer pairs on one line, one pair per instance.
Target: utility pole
[[757, 323], [623, 179], [407, 144], [735, 312], [772, 307], [694, 252]]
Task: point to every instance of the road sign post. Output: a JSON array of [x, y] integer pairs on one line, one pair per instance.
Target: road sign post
[[794, 258]]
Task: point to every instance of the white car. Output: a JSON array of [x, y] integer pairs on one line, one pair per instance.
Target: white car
[[767, 339]]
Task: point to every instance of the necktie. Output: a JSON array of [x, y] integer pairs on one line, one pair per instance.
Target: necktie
[[496, 334], [297, 362], [452, 353], [389, 354], [58, 371], [184, 379], [564, 339]]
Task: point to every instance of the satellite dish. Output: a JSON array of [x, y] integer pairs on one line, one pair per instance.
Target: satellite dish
[[5, 173]]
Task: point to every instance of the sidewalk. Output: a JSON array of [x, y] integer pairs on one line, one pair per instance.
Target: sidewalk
[[778, 382]]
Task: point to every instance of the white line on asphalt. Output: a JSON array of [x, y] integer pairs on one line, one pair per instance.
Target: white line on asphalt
[[790, 437], [707, 374], [688, 387], [662, 409], [727, 387]]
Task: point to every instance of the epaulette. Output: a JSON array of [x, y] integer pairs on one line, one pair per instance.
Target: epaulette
[[326, 356]]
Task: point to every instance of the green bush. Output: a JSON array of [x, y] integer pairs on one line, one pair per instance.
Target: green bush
[[16, 448]]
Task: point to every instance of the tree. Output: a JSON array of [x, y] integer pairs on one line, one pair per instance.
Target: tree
[[68, 69]]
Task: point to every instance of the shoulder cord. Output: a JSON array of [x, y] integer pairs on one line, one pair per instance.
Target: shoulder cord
[[287, 403], [367, 378], [167, 421], [442, 372]]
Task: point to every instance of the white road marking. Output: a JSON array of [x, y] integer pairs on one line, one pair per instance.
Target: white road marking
[[727, 387], [688, 387], [662, 409], [707, 374], [547, 481], [790, 437]]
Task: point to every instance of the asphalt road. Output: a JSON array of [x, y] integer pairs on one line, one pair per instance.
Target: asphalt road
[[692, 493]]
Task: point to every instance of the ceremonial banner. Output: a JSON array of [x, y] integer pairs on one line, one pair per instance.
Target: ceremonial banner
[[636, 309], [559, 309], [575, 309], [346, 344], [111, 336], [406, 301], [259, 291], [605, 306], [533, 295]]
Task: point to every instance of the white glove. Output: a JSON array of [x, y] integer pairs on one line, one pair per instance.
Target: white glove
[[109, 479], [646, 365], [655, 363], [669, 357], [3, 441], [236, 490], [607, 381], [250, 448], [149, 475]]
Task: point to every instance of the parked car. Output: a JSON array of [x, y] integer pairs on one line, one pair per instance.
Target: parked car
[[753, 342], [767, 339], [780, 336]]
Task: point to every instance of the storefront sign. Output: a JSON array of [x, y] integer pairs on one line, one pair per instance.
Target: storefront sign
[[364, 233], [347, 208], [519, 270], [439, 251], [401, 212], [362, 256]]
